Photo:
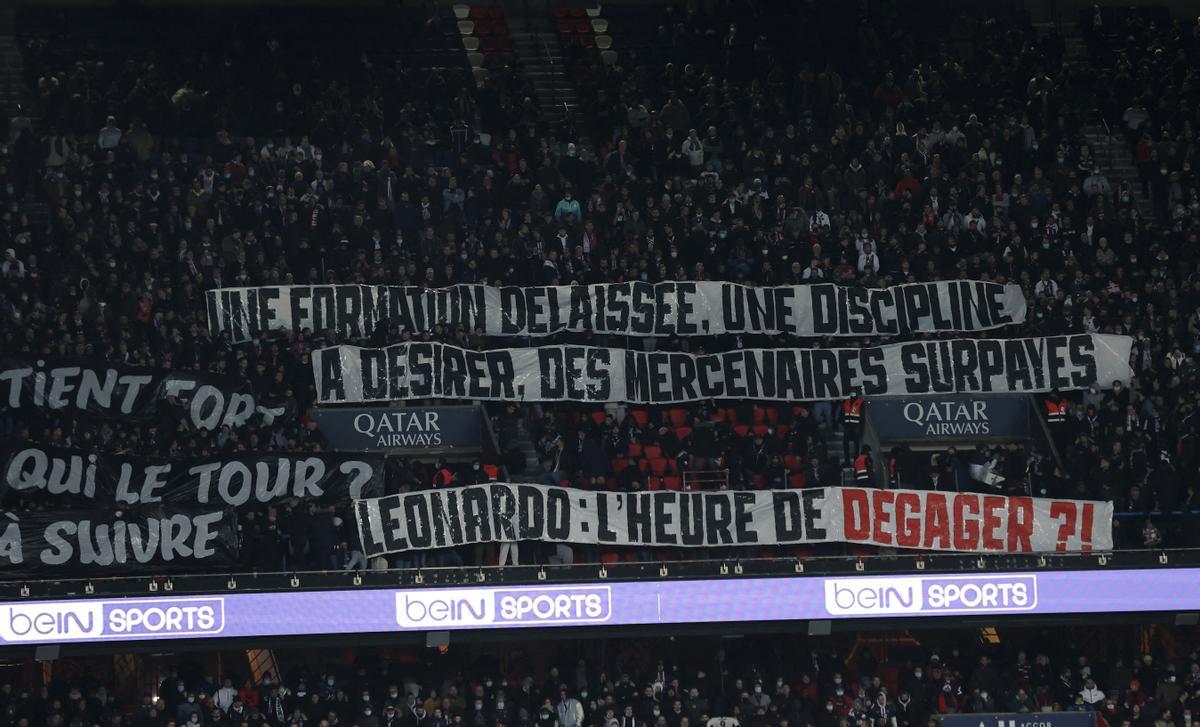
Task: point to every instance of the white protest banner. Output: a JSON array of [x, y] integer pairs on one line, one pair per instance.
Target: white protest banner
[[499, 512], [349, 374], [673, 308]]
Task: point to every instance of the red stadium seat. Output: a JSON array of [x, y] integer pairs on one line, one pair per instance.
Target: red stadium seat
[[564, 27], [496, 12], [797, 481], [682, 433], [587, 41], [575, 11], [599, 416], [634, 450], [478, 11], [761, 430], [619, 464], [678, 417], [641, 417], [759, 482], [584, 26], [672, 483], [742, 430], [483, 27], [782, 430], [772, 415], [658, 465], [610, 558], [792, 461], [760, 415], [652, 451], [558, 11], [654, 484], [717, 415]]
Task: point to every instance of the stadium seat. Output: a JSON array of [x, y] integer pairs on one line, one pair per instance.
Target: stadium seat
[[599, 417], [470, 43], [652, 451], [792, 461], [466, 27], [599, 25], [475, 59], [741, 430], [478, 11], [761, 430], [558, 11], [760, 415], [483, 27], [604, 42], [658, 465], [682, 433], [583, 27], [575, 11], [593, 11], [610, 558], [564, 26], [641, 417], [772, 415], [634, 449], [496, 12], [677, 417], [461, 12], [672, 483], [797, 481]]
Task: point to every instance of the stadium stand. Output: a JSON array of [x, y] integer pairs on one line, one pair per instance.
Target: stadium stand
[[154, 162]]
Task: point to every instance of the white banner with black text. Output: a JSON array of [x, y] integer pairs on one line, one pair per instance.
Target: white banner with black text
[[352, 375], [672, 308], [505, 512]]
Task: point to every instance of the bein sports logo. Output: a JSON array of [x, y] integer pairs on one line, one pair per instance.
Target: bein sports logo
[[111, 620], [927, 595], [465, 607]]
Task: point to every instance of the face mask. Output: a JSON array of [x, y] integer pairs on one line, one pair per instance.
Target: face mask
[[983, 695], [837, 680], [657, 712], [758, 690], [478, 705], [499, 705], [840, 691], [917, 673], [367, 712], [191, 700], [366, 697], [828, 707]]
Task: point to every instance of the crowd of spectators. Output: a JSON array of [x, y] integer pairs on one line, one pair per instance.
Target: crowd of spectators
[[817, 683], [151, 167]]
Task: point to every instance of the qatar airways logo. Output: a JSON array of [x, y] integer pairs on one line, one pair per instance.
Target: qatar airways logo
[[466, 607], [107, 620], [925, 595]]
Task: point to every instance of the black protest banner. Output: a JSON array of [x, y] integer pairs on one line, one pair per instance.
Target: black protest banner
[[96, 388], [89, 479], [350, 375], [506, 512], [672, 308], [96, 543]]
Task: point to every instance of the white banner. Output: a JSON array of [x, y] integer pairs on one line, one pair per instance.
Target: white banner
[[350, 374], [680, 308], [500, 512]]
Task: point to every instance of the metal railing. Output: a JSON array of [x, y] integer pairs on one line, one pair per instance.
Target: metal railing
[[692, 569]]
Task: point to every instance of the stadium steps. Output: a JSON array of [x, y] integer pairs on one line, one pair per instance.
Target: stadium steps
[[542, 66], [1118, 165], [12, 74], [533, 466]]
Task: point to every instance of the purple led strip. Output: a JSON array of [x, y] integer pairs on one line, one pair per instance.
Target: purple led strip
[[600, 604]]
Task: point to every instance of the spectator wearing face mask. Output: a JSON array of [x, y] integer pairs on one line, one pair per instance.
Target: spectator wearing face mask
[[188, 708]]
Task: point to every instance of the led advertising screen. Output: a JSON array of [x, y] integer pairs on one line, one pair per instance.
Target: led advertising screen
[[604, 604]]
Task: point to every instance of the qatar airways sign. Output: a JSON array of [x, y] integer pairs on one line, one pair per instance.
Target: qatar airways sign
[[950, 417], [927, 595]]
